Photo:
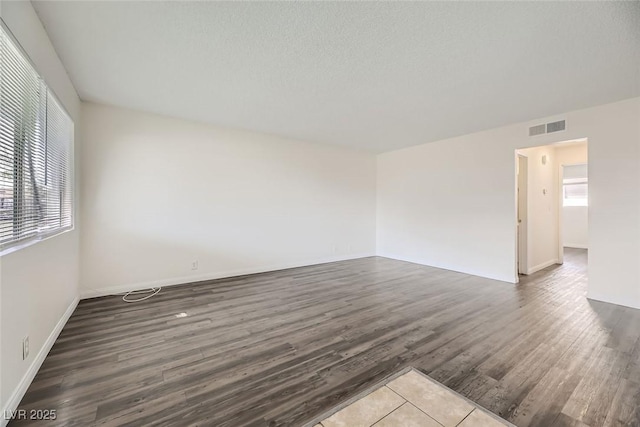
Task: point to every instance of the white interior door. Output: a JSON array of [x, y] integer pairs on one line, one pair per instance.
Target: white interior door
[[522, 168]]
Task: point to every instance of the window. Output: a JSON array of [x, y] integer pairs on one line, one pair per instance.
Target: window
[[36, 147], [575, 192]]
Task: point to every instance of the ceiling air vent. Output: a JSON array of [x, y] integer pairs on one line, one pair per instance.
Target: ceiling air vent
[[547, 128], [556, 126], [537, 130]]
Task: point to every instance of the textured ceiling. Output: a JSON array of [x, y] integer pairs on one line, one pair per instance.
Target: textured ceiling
[[378, 76]]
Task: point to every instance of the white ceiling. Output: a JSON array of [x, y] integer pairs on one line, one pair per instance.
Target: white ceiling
[[371, 75]]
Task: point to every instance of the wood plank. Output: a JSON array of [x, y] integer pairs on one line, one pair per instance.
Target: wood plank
[[280, 348]]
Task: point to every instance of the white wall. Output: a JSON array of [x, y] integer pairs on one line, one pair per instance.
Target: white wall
[[38, 284], [575, 171], [542, 212], [451, 203], [575, 227], [160, 192], [575, 219]]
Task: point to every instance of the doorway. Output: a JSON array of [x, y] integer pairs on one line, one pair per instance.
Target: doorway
[[551, 204], [574, 207]]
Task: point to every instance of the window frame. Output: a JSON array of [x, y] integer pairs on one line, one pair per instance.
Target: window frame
[[40, 236], [584, 202]]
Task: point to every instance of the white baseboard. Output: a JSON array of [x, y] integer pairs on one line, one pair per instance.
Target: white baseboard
[[508, 279], [115, 290], [27, 378], [575, 245], [541, 266], [617, 301]]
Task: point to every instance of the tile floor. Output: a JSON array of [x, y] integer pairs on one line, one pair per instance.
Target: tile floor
[[410, 399]]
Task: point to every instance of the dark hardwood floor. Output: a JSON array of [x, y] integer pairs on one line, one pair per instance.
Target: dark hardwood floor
[[280, 348]]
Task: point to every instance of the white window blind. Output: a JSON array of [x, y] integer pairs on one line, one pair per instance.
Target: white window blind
[[575, 192], [36, 140]]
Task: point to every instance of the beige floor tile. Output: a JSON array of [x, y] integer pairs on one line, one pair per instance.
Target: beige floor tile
[[479, 419], [366, 411], [407, 416], [441, 404]]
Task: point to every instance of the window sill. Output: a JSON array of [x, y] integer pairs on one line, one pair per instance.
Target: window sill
[[21, 244]]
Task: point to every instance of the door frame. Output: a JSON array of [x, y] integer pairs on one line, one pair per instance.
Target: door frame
[[561, 205]]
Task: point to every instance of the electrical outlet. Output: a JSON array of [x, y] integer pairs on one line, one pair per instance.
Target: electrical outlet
[[194, 265], [25, 347]]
